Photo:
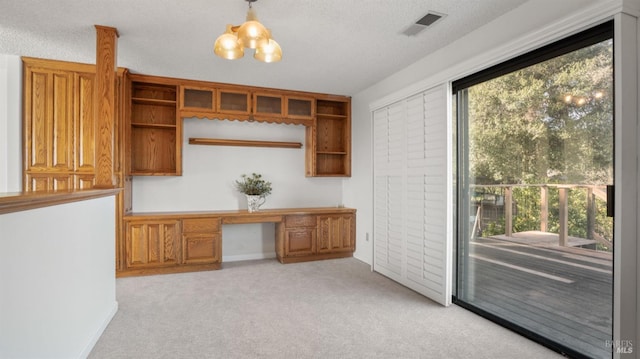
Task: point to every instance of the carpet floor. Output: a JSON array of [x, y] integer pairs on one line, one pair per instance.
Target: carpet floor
[[323, 309]]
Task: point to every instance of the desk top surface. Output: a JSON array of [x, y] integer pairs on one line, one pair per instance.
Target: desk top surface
[[241, 215]]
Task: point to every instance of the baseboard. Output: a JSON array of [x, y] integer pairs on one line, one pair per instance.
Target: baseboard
[[87, 350], [248, 257]]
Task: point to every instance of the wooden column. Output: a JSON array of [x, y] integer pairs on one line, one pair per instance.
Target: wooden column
[[106, 46], [544, 208], [508, 212], [563, 208]]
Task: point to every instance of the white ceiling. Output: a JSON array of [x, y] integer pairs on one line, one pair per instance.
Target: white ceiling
[[330, 46]]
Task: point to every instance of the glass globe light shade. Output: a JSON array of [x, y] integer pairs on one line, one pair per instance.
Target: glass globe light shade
[[270, 52], [252, 34], [227, 46]]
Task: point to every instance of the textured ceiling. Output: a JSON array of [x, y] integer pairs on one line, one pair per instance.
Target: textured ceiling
[[331, 46]]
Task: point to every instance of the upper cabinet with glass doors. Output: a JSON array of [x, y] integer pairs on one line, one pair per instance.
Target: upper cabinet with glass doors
[[246, 103]]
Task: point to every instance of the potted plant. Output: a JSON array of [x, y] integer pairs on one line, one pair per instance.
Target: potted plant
[[255, 188]]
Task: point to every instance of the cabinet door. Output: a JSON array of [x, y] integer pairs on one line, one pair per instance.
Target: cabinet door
[[300, 107], [48, 181], [300, 242], [48, 119], [201, 240], [201, 248], [84, 181], [267, 104], [84, 123], [234, 101], [59, 123], [198, 99], [336, 233], [152, 244]]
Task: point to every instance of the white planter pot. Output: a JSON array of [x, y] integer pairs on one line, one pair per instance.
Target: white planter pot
[[254, 202]]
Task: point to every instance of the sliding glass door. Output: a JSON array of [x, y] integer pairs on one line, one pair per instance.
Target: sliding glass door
[[535, 155]]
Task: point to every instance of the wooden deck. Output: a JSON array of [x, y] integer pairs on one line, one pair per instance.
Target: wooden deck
[[544, 239], [563, 293]]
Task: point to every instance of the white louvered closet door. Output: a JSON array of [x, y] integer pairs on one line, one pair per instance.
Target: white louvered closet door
[[412, 194]]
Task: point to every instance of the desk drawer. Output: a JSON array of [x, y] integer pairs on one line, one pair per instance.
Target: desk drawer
[[201, 225], [300, 221]]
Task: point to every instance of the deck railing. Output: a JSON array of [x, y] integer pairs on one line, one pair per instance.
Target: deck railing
[[506, 199]]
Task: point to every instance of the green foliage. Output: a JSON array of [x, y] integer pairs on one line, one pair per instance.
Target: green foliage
[[550, 123], [254, 185], [494, 228], [527, 213], [523, 127]]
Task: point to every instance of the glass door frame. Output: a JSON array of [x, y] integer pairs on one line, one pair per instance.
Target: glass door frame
[[586, 38]]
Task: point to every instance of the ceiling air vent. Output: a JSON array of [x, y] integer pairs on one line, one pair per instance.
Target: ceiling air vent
[[429, 19]]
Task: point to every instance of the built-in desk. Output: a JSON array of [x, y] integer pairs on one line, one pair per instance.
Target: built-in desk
[[170, 242]]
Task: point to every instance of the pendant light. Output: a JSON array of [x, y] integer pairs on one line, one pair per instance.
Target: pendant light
[[251, 34]]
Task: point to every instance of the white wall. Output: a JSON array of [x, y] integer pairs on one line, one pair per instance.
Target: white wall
[[10, 123], [57, 283], [209, 173]]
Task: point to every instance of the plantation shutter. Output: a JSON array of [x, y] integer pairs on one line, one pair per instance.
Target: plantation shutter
[[388, 158], [412, 195]]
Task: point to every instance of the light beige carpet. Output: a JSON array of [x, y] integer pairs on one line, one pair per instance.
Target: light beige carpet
[[324, 309]]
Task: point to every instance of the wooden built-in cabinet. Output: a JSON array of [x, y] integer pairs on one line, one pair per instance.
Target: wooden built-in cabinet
[[223, 101], [336, 233], [167, 244], [61, 134], [59, 127], [191, 241], [311, 237], [158, 106], [201, 241], [299, 238], [60, 131], [330, 151], [155, 138], [152, 244]]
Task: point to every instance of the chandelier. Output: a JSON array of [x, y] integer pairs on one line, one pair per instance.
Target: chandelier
[[253, 35]]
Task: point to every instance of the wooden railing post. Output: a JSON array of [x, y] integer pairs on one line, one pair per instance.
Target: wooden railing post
[[544, 208], [591, 213], [508, 212], [563, 231]]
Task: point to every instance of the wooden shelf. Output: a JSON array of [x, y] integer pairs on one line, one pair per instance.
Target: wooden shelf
[[152, 125], [151, 101], [155, 172], [331, 152], [154, 133], [244, 143], [328, 115]]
